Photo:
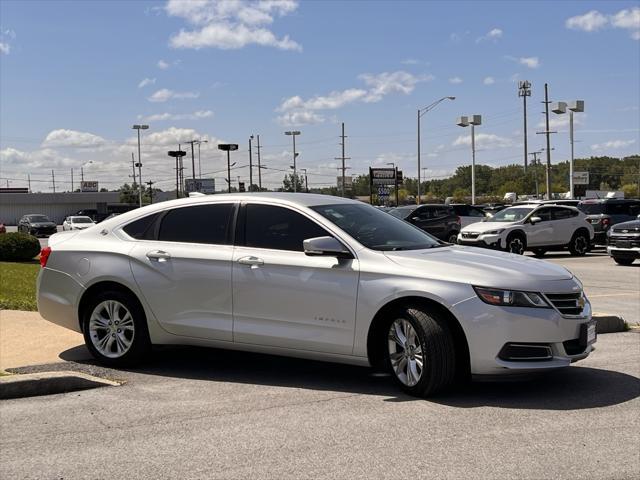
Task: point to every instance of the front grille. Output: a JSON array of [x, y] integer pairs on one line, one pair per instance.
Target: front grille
[[567, 303], [624, 242], [470, 235], [631, 231]]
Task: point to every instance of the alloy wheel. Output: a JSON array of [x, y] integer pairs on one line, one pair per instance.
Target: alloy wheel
[[111, 329], [516, 246], [580, 245], [405, 352]]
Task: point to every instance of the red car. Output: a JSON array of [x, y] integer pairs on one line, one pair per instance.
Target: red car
[[3, 229]]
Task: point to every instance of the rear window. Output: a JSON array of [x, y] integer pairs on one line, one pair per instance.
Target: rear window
[[197, 224], [622, 208], [402, 212], [142, 229], [591, 208]]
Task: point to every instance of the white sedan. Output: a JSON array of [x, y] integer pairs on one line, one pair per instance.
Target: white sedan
[[311, 276], [77, 222], [536, 227]]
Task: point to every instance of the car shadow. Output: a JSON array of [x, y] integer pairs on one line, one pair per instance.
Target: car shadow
[[574, 388]]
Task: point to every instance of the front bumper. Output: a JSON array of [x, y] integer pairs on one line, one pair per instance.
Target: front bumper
[[489, 328], [484, 241], [623, 252], [43, 232]]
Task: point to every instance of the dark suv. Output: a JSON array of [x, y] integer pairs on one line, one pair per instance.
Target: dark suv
[[604, 213], [438, 220], [37, 225]]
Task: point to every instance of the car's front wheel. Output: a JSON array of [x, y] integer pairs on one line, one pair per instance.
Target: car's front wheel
[[453, 237], [420, 352], [579, 244], [623, 260], [516, 244], [115, 328]]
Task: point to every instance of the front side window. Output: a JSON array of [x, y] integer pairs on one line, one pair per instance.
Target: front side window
[[197, 224], [279, 228], [375, 229]]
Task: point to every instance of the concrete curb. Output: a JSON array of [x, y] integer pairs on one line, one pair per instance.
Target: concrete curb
[[609, 323], [48, 383]]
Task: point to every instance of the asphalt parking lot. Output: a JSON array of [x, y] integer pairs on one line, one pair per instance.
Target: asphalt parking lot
[[199, 413]]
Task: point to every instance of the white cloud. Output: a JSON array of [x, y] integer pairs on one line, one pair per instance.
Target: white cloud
[[494, 34], [410, 61], [72, 138], [19, 161], [5, 36], [165, 94], [531, 62], [484, 140], [489, 81], [5, 48], [230, 24], [562, 121], [455, 80], [298, 111], [158, 117], [612, 144], [592, 21], [589, 22], [146, 81], [162, 65]]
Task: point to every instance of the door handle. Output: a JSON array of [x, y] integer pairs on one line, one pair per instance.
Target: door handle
[[159, 255], [254, 262]]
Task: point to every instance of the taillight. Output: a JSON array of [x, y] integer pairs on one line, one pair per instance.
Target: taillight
[[44, 256], [458, 220], [606, 222]]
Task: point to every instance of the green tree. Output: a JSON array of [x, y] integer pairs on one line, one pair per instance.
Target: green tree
[[288, 182]]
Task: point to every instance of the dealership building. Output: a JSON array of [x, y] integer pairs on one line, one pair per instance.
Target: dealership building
[[56, 206]]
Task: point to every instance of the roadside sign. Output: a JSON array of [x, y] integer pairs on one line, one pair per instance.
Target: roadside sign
[[241, 187], [383, 176], [89, 186], [348, 182], [581, 178], [202, 185], [384, 191]]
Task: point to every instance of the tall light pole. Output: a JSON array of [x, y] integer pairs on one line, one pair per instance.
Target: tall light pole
[[293, 133], [534, 163], [228, 147], [421, 112], [177, 154], [199, 164], [524, 91], [465, 121], [82, 172], [250, 164], [139, 165], [259, 165], [561, 108], [547, 134]]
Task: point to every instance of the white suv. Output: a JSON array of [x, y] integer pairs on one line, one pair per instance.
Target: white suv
[[535, 227], [311, 276]]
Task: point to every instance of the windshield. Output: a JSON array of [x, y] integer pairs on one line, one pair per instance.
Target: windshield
[[401, 212], [375, 229], [513, 214], [591, 208], [38, 218], [81, 220]]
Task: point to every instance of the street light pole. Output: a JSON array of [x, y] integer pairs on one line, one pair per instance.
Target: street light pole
[[228, 147], [524, 91], [295, 172], [561, 108], [259, 165], [465, 121], [138, 128], [250, 164], [421, 112]]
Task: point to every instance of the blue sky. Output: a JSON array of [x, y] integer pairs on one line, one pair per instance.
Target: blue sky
[[74, 77]]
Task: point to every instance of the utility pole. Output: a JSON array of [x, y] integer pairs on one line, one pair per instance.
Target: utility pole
[[193, 162], [547, 132], [343, 158], [53, 178], [72, 180], [133, 169], [524, 91], [250, 165], [29, 181], [259, 165], [534, 163], [295, 172], [150, 183]]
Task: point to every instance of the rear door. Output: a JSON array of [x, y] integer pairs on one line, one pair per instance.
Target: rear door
[[542, 233], [284, 298], [564, 224], [183, 268]]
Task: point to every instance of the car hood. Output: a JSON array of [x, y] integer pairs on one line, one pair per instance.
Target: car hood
[[481, 227], [631, 225], [482, 267]]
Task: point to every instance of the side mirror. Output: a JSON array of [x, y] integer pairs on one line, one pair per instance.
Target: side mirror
[[325, 246], [415, 219], [535, 220], [638, 217]]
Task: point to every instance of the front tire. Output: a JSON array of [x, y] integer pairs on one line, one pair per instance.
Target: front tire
[[453, 238], [579, 245], [623, 260], [115, 329], [516, 243], [420, 352]]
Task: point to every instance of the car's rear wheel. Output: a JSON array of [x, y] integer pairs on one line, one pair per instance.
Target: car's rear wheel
[[623, 260], [539, 252], [516, 243], [453, 237], [420, 352], [579, 244], [115, 328]]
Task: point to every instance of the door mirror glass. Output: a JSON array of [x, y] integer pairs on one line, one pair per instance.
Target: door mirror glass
[[415, 219], [325, 246], [535, 220]]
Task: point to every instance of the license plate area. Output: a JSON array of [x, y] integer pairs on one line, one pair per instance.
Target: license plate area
[[623, 244], [588, 334]]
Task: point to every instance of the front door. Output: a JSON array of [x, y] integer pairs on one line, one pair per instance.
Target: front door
[[284, 298], [184, 271]]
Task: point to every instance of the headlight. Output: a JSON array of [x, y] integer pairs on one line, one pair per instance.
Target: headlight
[[494, 232], [511, 298]]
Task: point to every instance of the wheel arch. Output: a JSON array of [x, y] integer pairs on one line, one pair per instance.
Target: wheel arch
[[102, 286], [375, 335]]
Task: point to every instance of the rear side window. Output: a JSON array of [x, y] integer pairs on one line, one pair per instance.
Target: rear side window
[[278, 228], [197, 224], [622, 208], [461, 210], [142, 229], [591, 208], [563, 213]]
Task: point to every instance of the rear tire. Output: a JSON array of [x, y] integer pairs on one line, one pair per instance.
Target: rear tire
[[415, 336], [115, 329], [579, 245], [453, 238], [623, 260], [516, 243]]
